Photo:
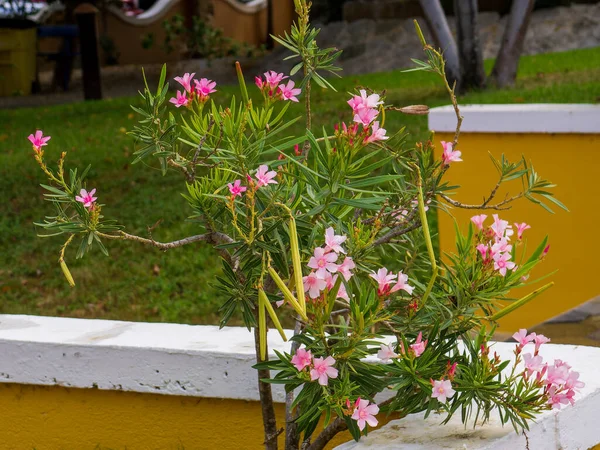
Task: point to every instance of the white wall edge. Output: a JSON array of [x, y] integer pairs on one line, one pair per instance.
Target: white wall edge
[[172, 359], [519, 118]]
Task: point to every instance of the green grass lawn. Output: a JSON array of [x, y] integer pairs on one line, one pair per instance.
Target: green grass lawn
[[137, 283]]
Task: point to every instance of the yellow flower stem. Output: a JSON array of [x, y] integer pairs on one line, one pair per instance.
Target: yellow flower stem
[[427, 235], [262, 328], [516, 305], [287, 294], [63, 264], [295, 249], [262, 297]]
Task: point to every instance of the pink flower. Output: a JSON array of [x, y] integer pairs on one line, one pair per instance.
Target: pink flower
[[532, 363], [334, 242], [557, 397], [502, 263], [288, 92], [419, 346], [363, 101], [273, 78], [181, 100], [365, 116], [346, 267], [522, 337], [501, 246], [204, 88], [323, 370], [377, 134], [478, 220], [365, 413], [401, 284], [521, 227], [384, 280], [301, 359], [236, 188], [259, 82], [572, 381], [540, 339], [87, 198], [39, 140], [342, 293], [546, 250], [386, 353], [483, 250], [314, 284], [442, 390], [323, 262], [450, 155], [265, 177], [557, 374], [501, 228], [186, 81]]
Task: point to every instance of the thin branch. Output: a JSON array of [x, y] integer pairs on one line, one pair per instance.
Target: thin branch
[[498, 206], [397, 231], [214, 238], [189, 177], [199, 147]]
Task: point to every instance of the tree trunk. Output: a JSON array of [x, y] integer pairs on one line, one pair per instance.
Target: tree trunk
[[266, 400], [469, 48], [292, 436], [507, 62], [442, 36]]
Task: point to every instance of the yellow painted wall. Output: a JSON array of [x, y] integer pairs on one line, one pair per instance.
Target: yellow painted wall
[[57, 418], [572, 161]]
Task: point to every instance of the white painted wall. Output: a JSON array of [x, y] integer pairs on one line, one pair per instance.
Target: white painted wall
[[203, 361], [516, 118]]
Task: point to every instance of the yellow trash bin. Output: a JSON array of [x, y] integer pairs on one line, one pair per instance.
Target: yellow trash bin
[[17, 60]]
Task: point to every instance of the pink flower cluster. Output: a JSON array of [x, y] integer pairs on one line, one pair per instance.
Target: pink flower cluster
[[498, 250], [326, 269], [201, 90], [388, 283], [263, 175], [319, 368], [559, 381], [365, 109], [386, 352], [364, 412], [271, 88]]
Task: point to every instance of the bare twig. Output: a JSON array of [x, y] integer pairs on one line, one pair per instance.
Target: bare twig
[[397, 231], [199, 147], [498, 206], [189, 177], [214, 238]]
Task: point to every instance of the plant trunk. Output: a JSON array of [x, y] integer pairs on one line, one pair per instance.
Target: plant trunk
[[266, 400], [469, 48], [292, 436], [335, 427], [442, 36], [507, 62]]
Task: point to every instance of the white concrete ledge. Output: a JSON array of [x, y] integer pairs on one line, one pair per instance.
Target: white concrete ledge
[[158, 358], [517, 118], [203, 361]]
